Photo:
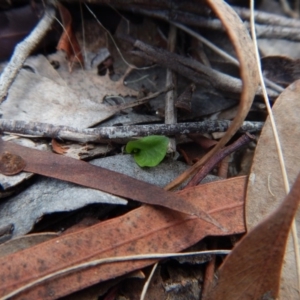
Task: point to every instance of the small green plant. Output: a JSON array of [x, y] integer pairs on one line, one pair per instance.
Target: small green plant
[[148, 151]]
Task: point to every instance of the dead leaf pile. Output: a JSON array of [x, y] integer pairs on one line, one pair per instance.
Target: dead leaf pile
[[81, 220]]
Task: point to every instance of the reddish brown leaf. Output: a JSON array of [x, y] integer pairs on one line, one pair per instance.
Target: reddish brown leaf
[[80, 172], [11, 164], [58, 148], [68, 41], [144, 230], [253, 268]]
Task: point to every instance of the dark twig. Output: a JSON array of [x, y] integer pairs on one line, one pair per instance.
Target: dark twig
[[172, 7], [276, 32], [193, 14], [267, 18], [191, 19], [214, 160], [191, 69], [222, 53], [103, 134]]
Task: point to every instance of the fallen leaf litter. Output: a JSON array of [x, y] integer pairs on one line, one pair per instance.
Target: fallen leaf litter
[[70, 98]]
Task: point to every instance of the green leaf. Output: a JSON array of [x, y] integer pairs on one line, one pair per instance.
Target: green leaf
[[148, 151]]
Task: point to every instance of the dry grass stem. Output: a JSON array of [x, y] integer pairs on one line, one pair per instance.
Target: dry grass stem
[[276, 137]]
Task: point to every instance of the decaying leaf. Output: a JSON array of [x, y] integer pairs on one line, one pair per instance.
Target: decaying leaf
[[184, 100], [68, 41], [47, 98], [126, 235], [266, 189], [44, 100], [81, 151], [252, 270], [58, 148], [89, 85]]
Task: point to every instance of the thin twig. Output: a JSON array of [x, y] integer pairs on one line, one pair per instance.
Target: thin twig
[[83, 35], [191, 69], [106, 260], [114, 42], [215, 159], [170, 110], [143, 100], [104, 134], [23, 50], [222, 53], [287, 9], [265, 31], [276, 137], [267, 18], [277, 32], [209, 44]]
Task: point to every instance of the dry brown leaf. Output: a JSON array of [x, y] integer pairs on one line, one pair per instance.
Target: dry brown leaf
[[81, 151], [244, 48], [252, 270], [88, 175], [144, 230], [68, 41], [265, 188], [46, 100], [58, 148]]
